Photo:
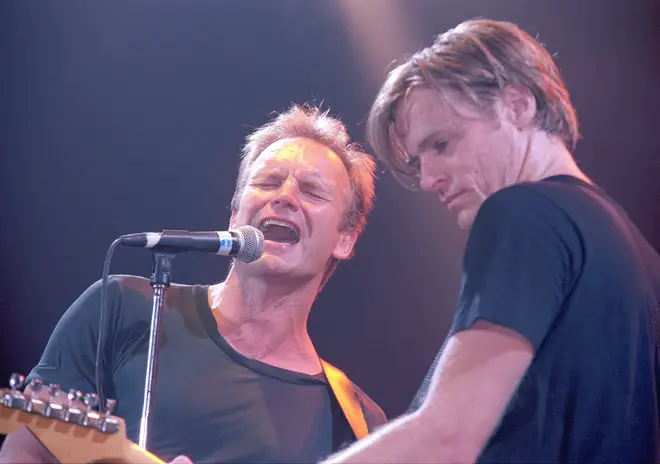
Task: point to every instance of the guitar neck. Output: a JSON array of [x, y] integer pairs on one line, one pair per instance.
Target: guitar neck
[[71, 433]]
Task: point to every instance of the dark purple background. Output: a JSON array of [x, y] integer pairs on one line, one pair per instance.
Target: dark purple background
[[128, 116]]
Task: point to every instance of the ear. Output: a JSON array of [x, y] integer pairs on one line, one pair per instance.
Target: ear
[[344, 248], [232, 218], [519, 105]]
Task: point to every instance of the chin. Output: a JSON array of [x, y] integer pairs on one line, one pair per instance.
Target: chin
[[466, 218], [272, 263], [280, 270]]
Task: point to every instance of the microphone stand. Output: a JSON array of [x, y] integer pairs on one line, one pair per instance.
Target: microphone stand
[[160, 281]]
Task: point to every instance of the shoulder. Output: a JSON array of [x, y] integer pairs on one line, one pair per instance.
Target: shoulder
[[116, 285], [120, 290], [127, 282], [525, 209], [524, 226], [119, 283], [524, 200]]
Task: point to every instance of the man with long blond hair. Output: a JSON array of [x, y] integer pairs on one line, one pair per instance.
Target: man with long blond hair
[[552, 355]]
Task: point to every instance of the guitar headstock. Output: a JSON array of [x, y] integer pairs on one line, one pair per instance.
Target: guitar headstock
[[69, 424]]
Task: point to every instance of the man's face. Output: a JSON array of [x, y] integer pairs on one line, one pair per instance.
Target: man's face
[[464, 155], [296, 194]]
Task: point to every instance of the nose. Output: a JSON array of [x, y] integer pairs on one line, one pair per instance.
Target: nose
[[287, 196], [430, 177]]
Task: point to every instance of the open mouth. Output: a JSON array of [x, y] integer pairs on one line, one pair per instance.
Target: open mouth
[[279, 231]]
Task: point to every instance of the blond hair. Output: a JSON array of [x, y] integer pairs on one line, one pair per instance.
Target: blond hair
[[311, 123], [474, 61]]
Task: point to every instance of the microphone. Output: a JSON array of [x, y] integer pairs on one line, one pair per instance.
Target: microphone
[[244, 244]]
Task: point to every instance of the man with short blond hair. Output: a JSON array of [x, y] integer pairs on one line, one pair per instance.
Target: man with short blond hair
[[239, 379]]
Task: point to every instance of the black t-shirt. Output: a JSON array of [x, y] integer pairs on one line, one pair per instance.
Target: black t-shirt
[[211, 403], [558, 262]]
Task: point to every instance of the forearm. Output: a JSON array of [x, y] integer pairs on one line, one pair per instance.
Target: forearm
[[22, 446], [410, 439]]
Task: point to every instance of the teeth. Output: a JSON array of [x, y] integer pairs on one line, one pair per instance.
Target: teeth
[[275, 222]]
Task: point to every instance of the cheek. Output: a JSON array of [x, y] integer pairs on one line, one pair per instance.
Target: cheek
[[489, 168], [326, 222], [251, 202], [434, 167], [488, 171]]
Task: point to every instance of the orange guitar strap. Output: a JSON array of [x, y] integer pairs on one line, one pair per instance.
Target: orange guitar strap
[[344, 391]]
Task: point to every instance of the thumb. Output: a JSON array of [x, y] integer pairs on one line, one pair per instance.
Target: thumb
[[181, 460]]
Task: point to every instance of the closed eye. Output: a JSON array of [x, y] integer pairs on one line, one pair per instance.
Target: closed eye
[[268, 181], [313, 189], [314, 193]]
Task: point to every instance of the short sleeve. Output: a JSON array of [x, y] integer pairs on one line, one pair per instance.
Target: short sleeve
[[69, 359], [521, 260]]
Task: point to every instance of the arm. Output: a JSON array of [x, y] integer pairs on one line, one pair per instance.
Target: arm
[[23, 446], [477, 374], [520, 261]]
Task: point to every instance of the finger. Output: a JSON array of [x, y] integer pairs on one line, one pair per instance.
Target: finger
[[181, 460]]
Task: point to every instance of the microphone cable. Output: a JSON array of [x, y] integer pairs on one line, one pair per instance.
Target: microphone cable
[[99, 365]]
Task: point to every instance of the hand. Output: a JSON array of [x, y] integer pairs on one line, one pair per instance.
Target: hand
[[180, 460]]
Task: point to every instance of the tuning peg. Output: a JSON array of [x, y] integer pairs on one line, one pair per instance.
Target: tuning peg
[[92, 418], [109, 424], [110, 405], [36, 384], [14, 398], [34, 404], [75, 395], [91, 400], [53, 389], [73, 413], [16, 381]]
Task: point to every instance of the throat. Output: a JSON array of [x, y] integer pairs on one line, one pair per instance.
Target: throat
[[279, 340], [275, 345], [265, 323]]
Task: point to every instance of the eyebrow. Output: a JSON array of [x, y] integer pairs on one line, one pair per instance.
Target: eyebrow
[[314, 178], [267, 172]]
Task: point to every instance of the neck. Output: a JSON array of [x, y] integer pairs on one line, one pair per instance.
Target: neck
[[266, 321], [546, 156]]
